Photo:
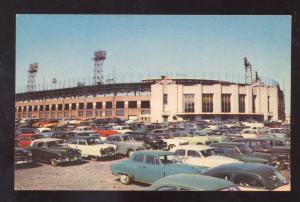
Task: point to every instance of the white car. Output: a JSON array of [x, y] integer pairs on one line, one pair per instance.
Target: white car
[[82, 128], [41, 130], [172, 142], [201, 155], [92, 147]]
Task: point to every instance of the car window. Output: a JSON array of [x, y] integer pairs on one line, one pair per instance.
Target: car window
[[127, 138], [152, 160], [279, 143], [180, 152], [73, 141], [82, 142], [245, 180], [230, 150], [207, 152], [139, 158], [37, 144], [167, 159], [167, 189], [116, 138], [219, 150], [193, 153]]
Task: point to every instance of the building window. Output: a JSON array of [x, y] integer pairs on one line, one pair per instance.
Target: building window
[[29, 115], [145, 104], [30, 109], [40, 114], [89, 105], [52, 114], [242, 103], [41, 108], [189, 104], [24, 115], [268, 103], [73, 106], [80, 113], [67, 106], [108, 105], [132, 104], [53, 107], [89, 113], [81, 106], [145, 112], [59, 107], [253, 104], [19, 109], [66, 114], [207, 103], [46, 114], [47, 108], [98, 105], [165, 99], [119, 112], [24, 109], [120, 105], [98, 113], [35, 108], [108, 112], [59, 114], [225, 103]]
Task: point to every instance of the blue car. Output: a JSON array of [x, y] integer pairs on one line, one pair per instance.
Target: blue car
[[151, 165]]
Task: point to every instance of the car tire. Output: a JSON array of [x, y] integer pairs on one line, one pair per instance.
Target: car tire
[[93, 158], [124, 179], [199, 143], [53, 161], [129, 152], [171, 146]]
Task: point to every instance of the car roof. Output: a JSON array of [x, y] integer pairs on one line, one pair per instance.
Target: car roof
[[45, 140], [195, 147], [250, 168], [85, 137], [227, 143], [193, 181], [119, 135], [154, 152]]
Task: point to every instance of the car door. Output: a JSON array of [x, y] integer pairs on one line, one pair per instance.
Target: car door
[[181, 154], [35, 150], [151, 170], [248, 182]]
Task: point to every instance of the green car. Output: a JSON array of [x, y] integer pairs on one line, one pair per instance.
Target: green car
[[243, 153], [192, 182], [150, 165]]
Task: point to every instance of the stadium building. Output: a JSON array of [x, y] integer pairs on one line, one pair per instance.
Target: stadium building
[[157, 100]]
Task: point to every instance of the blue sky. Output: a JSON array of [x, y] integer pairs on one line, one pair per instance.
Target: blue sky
[[63, 45]]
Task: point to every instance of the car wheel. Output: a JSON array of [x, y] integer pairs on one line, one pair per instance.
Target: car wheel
[[54, 161], [93, 158], [199, 143], [171, 146], [124, 179], [129, 152]]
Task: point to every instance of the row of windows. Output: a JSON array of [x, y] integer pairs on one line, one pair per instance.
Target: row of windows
[[89, 105]]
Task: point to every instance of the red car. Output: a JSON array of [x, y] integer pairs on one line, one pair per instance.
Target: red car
[[106, 133], [24, 140]]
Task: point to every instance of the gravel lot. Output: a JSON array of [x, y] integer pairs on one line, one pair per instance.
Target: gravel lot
[[84, 175]]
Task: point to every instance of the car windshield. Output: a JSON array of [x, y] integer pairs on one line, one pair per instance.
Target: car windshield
[[127, 138], [169, 159], [245, 149], [57, 143], [207, 152], [93, 141], [276, 179]]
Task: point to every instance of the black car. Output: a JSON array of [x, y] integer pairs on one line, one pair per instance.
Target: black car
[[277, 147], [249, 176], [150, 141]]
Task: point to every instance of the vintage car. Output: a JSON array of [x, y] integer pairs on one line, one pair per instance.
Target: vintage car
[[201, 155], [83, 128], [20, 131], [249, 176], [126, 145], [24, 140], [205, 137], [64, 135], [277, 147], [52, 150], [252, 123], [169, 138], [22, 157], [92, 147], [149, 140], [242, 152], [150, 165], [192, 182]]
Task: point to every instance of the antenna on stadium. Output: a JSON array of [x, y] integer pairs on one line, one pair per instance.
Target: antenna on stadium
[[248, 71], [33, 68], [99, 57]]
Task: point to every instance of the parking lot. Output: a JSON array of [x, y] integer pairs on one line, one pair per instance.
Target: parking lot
[[84, 175]]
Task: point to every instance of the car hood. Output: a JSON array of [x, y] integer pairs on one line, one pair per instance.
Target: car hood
[[184, 168], [218, 159]]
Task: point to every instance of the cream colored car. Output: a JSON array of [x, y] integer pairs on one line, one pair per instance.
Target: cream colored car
[[201, 155], [92, 147]]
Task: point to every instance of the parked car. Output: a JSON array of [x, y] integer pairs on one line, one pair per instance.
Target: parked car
[[277, 147], [201, 155], [192, 182], [242, 152], [24, 140], [64, 135], [52, 150], [149, 140], [20, 131], [22, 157], [249, 176], [202, 137], [126, 145], [150, 165], [92, 147]]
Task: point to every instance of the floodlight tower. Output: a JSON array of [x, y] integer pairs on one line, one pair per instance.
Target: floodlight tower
[[248, 71], [33, 68], [99, 57]]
